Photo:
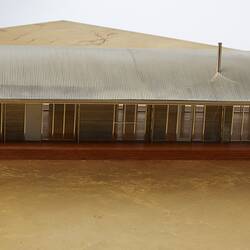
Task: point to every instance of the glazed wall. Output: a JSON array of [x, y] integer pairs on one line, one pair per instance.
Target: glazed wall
[[124, 122]]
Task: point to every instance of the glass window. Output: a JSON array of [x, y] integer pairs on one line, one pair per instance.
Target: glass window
[[246, 124], [198, 125], [213, 123], [96, 122], [58, 121], [14, 122], [130, 122], [241, 123], [119, 121], [159, 122], [1, 122], [227, 123], [185, 122], [33, 122], [141, 122], [46, 120], [172, 122], [237, 122]]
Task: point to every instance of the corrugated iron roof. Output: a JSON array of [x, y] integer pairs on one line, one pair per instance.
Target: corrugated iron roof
[[31, 72]]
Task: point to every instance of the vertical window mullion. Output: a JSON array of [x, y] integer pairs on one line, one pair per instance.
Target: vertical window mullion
[[1, 121], [145, 122], [24, 121], [204, 123], [64, 115], [74, 125], [193, 121], [114, 121], [152, 123], [135, 118], [124, 119], [232, 123], [4, 133], [166, 130], [42, 121], [53, 120], [78, 123], [242, 122], [222, 122], [178, 120]]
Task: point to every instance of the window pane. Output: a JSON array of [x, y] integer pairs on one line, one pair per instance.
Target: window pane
[[96, 122], [58, 121], [172, 122], [69, 121], [185, 117], [33, 122], [159, 122], [213, 124], [129, 122], [119, 121], [14, 119], [198, 123], [1, 121], [141, 122], [237, 123], [46, 121], [246, 125], [227, 123]]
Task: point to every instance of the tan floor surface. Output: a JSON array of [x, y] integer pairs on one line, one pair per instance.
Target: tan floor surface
[[76, 205]]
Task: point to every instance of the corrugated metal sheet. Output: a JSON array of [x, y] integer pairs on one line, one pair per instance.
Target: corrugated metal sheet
[[32, 73]]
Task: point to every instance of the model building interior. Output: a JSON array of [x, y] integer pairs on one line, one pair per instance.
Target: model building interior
[[83, 94]]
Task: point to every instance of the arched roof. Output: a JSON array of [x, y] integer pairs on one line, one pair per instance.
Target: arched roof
[[44, 73]]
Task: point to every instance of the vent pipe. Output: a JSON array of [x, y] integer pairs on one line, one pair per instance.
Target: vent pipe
[[219, 57]]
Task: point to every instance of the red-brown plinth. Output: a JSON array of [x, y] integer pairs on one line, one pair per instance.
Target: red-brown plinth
[[127, 151]]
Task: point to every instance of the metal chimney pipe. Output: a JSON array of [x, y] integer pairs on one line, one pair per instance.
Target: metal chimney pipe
[[219, 57]]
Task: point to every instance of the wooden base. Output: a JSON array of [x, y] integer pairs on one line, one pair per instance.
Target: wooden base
[[127, 151]]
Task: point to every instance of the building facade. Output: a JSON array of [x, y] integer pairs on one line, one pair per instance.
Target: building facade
[[123, 95], [73, 122]]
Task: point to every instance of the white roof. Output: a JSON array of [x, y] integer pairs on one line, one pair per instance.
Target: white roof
[[44, 73]]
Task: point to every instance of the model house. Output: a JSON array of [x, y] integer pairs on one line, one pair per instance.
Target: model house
[[81, 94]]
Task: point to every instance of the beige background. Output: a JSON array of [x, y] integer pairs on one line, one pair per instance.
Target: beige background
[[65, 33], [207, 21]]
